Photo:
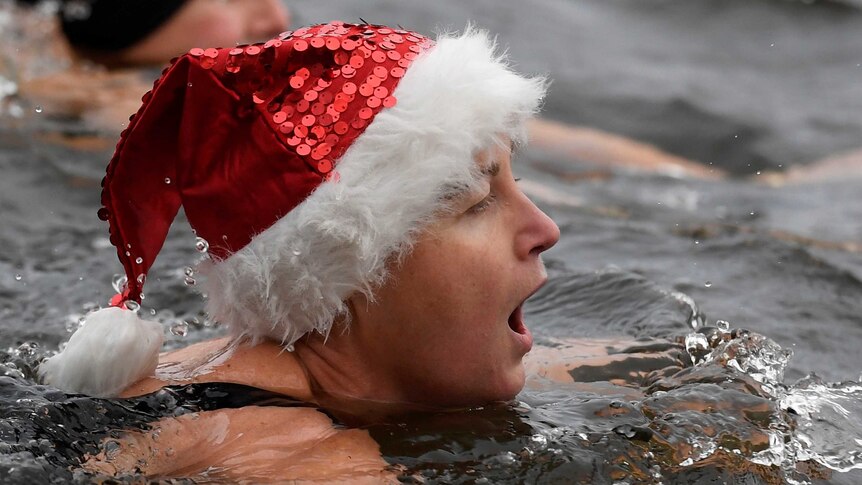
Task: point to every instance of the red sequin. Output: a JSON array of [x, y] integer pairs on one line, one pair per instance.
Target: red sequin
[[317, 89]]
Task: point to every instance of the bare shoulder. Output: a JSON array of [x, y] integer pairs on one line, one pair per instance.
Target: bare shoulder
[[620, 362], [252, 444], [265, 366], [246, 445]]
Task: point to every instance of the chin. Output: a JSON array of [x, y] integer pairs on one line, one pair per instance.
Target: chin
[[511, 385]]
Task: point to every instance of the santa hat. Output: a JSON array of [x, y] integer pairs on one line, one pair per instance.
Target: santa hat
[[308, 164]]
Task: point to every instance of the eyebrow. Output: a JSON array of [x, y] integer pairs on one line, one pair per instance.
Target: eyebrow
[[451, 192], [492, 170]]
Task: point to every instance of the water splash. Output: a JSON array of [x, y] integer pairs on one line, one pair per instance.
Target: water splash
[[828, 422], [696, 318], [180, 328], [119, 282], [815, 421]]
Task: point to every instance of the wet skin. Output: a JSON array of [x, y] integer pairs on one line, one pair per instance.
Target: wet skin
[[446, 330], [206, 23]]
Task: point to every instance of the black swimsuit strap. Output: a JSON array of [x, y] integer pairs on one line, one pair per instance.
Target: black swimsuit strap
[[211, 396]]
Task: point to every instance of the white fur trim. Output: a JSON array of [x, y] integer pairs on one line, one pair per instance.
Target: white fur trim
[[113, 350], [455, 100]]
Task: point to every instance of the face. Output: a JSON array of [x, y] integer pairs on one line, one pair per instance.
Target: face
[[448, 327], [211, 23]]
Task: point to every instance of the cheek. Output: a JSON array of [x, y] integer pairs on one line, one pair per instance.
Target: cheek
[[460, 279]]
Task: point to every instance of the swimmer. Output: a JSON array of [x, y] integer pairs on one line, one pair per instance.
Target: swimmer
[[369, 248], [125, 35], [150, 32]]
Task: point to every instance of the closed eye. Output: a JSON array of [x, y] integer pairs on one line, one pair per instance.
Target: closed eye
[[483, 204]]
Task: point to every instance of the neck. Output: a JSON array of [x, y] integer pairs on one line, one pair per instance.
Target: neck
[[346, 381]]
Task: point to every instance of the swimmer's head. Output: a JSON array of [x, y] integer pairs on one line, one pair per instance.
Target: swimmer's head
[[135, 32], [309, 164], [313, 164]]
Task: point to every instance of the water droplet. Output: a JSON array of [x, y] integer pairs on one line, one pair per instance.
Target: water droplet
[[180, 328], [695, 341], [38, 109], [27, 349], [119, 282], [139, 260], [758, 172], [202, 245], [167, 180], [296, 252], [189, 281], [751, 213], [18, 277], [708, 284], [189, 84], [132, 305], [290, 348], [189, 271], [697, 345], [141, 278], [772, 45], [723, 325]]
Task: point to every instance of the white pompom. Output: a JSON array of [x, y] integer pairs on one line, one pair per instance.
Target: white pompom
[[111, 351]]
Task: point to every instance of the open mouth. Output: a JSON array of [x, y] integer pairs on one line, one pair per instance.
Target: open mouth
[[516, 321]]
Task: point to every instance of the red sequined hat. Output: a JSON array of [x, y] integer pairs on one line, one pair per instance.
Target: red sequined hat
[[307, 163]]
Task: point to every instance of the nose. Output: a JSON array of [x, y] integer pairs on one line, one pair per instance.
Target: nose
[[538, 232]]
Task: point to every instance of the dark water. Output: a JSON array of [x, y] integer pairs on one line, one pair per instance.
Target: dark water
[[641, 257]]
